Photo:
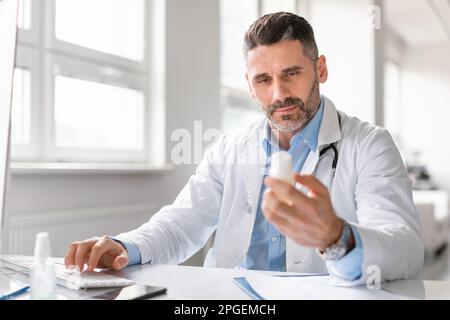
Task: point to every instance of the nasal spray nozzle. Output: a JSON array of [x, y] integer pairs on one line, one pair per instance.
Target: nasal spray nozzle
[[281, 167], [42, 247]]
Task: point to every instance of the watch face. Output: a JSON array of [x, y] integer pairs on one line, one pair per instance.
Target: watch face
[[338, 249], [335, 252]]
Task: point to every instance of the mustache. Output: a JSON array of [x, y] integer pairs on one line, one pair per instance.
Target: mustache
[[288, 102]]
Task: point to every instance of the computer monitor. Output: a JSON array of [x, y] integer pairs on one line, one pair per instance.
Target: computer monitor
[[8, 34]]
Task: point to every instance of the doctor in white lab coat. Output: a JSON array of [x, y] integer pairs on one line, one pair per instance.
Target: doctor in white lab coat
[[368, 192]]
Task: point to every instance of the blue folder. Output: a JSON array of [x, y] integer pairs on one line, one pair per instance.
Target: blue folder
[[244, 285]]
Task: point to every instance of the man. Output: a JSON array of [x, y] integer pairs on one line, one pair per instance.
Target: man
[[354, 209]]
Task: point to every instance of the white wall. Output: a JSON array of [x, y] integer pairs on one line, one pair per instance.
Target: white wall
[[192, 93], [344, 36], [425, 106]]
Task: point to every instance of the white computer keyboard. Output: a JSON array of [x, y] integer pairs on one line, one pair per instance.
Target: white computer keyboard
[[67, 278]]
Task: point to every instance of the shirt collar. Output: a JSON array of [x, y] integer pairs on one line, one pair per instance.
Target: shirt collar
[[309, 134]]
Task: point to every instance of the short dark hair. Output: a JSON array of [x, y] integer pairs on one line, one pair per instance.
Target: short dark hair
[[274, 27]]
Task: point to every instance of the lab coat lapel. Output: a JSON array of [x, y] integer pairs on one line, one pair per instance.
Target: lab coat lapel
[[252, 163], [329, 132], [298, 257], [250, 166]]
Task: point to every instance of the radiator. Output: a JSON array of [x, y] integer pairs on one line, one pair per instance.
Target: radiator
[[71, 225]]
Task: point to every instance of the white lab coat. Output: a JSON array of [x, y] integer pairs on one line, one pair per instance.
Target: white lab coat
[[371, 190]]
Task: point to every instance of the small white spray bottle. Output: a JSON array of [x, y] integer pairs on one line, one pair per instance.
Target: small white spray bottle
[[43, 279], [281, 167]]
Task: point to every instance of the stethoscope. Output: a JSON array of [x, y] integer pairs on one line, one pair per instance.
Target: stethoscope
[[333, 147], [335, 158]]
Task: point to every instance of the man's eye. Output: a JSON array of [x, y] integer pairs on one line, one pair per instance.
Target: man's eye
[[264, 80], [293, 73]]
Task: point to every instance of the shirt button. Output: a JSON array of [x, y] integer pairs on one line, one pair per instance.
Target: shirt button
[[274, 239]]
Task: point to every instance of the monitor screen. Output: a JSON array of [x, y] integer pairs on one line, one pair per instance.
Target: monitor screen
[[8, 33]]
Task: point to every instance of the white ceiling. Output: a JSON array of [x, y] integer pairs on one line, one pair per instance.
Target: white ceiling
[[419, 22]]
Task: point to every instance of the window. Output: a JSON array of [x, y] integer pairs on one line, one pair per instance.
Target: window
[[110, 26], [20, 115], [268, 6], [236, 16], [95, 115], [81, 89], [24, 17]]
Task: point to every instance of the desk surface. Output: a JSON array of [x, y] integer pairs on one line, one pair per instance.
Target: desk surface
[[197, 283]]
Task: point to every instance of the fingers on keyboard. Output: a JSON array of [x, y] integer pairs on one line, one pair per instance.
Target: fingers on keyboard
[[69, 259], [83, 251], [78, 253], [98, 250]]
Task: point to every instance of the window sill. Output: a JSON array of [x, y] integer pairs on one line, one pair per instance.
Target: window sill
[[64, 168]]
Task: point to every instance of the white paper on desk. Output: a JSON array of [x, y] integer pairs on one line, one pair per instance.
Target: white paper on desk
[[310, 288], [8, 286]]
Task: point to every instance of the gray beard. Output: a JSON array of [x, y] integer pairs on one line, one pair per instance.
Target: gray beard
[[296, 121]]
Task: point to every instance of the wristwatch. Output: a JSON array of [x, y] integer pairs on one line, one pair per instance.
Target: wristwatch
[[339, 248]]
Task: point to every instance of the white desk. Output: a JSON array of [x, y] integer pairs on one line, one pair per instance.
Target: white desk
[[196, 283]]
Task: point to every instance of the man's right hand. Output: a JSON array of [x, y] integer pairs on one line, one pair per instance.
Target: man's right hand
[[97, 252]]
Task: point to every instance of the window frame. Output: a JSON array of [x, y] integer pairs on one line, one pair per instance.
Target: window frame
[[71, 49], [47, 57], [31, 36], [28, 58], [73, 68]]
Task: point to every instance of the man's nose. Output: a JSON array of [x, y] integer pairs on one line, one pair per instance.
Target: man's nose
[[280, 90]]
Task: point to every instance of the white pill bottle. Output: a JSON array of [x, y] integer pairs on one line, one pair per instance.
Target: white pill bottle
[[281, 167]]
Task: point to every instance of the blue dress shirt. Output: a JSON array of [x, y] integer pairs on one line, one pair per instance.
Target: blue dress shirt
[[134, 255]]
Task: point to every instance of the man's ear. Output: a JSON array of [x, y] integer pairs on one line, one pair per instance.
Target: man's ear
[[322, 70], [249, 86]]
